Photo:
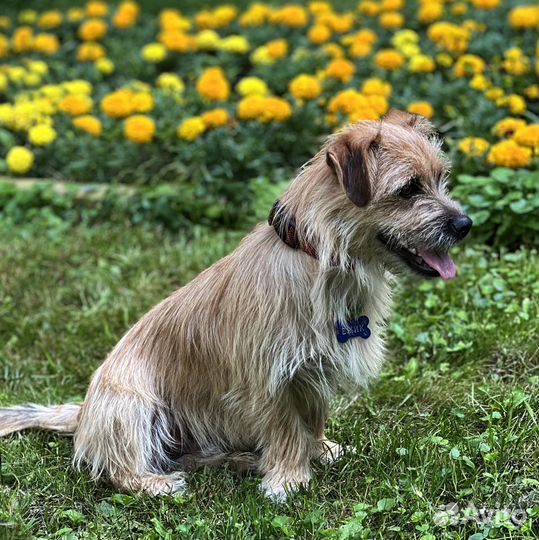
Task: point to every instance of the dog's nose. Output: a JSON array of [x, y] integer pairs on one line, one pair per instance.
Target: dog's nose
[[460, 226]]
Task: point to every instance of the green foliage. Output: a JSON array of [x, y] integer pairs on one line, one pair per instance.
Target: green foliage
[[503, 206]]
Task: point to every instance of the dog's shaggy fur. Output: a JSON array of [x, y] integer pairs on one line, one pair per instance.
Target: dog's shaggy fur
[[242, 362]]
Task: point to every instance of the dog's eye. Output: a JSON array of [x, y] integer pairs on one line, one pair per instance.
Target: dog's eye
[[411, 189]]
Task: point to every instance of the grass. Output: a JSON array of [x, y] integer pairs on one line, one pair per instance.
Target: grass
[[452, 419]]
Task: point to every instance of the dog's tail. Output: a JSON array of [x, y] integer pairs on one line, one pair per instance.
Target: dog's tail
[[61, 418]]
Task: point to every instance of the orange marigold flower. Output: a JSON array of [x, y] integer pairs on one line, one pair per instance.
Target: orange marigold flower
[[341, 69], [46, 44], [215, 118], [213, 85], [389, 59], [90, 52], [421, 107], [89, 124], [305, 87], [97, 8], [118, 104], [319, 34], [76, 104], [92, 30], [139, 129]]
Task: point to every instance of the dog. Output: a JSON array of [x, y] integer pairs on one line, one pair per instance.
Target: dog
[[241, 363]]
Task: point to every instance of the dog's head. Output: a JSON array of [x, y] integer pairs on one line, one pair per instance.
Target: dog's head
[[394, 173]]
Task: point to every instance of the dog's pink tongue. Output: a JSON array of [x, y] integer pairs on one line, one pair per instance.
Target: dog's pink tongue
[[441, 262]]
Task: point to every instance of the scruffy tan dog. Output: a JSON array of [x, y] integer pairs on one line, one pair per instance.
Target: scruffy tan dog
[[243, 361]]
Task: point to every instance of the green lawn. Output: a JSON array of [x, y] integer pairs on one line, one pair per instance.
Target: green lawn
[[452, 419]]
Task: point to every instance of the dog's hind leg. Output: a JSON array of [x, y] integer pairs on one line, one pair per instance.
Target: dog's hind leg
[[127, 434]]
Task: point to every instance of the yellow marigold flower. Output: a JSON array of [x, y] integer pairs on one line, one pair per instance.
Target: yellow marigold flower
[[31, 79], [76, 105], [392, 5], [213, 85], [528, 136], [96, 8], [509, 154], [139, 129], [480, 83], [494, 94], [154, 52], [369, 8], [319, 34], [317, 7], [41, 135], [191, 128], [473, 146], [208, 40], [27, 16], [459, 8], [19, 160], [142, 102], [224, 15], [170, 82], [391, 20], [389, 59], [234, 44], [171, 19], [75, 15], [305, 87], [449, 36], [421, 63], [16, 73], [252, 86], [516, 103], [341, 69], [50, 19], [430, 12], [22, 39], [215, 118], [469, 64], [515, 62], [404, 37], [256, 15], [39, 67], [421, 107], [105, 66], [376, 87], [46, 44], [90, 52], [118, 104], [292, 15], [77, 86], [524, 16], [532, 91], [92, 30], [89, 124], [410, 49]]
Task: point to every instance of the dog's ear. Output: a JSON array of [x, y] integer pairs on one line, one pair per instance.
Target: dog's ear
[[415, 121], [348, 157]]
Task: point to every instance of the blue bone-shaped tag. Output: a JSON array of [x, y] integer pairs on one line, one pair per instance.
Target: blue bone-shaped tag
[[353, 328]]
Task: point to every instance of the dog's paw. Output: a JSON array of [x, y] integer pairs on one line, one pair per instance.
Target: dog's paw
[[277, 494], [330, 452], [167, 484]]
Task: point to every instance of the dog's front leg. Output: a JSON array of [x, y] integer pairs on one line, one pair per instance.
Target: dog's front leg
[[286, 453]]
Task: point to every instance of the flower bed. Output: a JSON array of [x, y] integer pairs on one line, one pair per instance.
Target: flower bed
[[107, 93]]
